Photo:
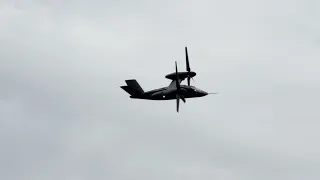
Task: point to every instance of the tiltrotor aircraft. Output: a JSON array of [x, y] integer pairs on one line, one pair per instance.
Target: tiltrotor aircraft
[[174, 91]]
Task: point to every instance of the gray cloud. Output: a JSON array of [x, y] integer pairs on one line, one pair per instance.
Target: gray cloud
[[63, 115]]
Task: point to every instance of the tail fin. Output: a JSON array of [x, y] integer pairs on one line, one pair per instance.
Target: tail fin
[[132, 83], [133, 88]]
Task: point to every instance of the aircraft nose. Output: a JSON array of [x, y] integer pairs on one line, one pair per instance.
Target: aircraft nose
[[203, 93]]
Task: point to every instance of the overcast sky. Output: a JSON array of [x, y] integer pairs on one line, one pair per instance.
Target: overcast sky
[[64, 116]]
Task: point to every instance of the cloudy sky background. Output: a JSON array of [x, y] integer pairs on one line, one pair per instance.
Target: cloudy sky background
[[63, 115]]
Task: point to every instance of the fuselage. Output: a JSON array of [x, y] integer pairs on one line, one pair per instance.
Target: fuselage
[[167, 93]]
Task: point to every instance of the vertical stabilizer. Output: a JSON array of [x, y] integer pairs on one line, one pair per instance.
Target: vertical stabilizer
[[132, 83]]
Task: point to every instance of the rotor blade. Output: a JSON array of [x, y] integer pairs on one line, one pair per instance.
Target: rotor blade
[[187, 60], [189, 80], [183, 99], [178, 100], [177, 78]]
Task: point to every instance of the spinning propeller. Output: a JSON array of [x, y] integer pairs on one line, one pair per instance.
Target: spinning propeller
[[190, 73], [179, 92]]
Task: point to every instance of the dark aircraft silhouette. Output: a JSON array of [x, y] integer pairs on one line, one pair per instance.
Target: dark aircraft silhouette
[[174, 91]]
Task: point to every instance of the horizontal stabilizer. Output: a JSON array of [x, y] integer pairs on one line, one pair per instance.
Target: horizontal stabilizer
[[131, 91]]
